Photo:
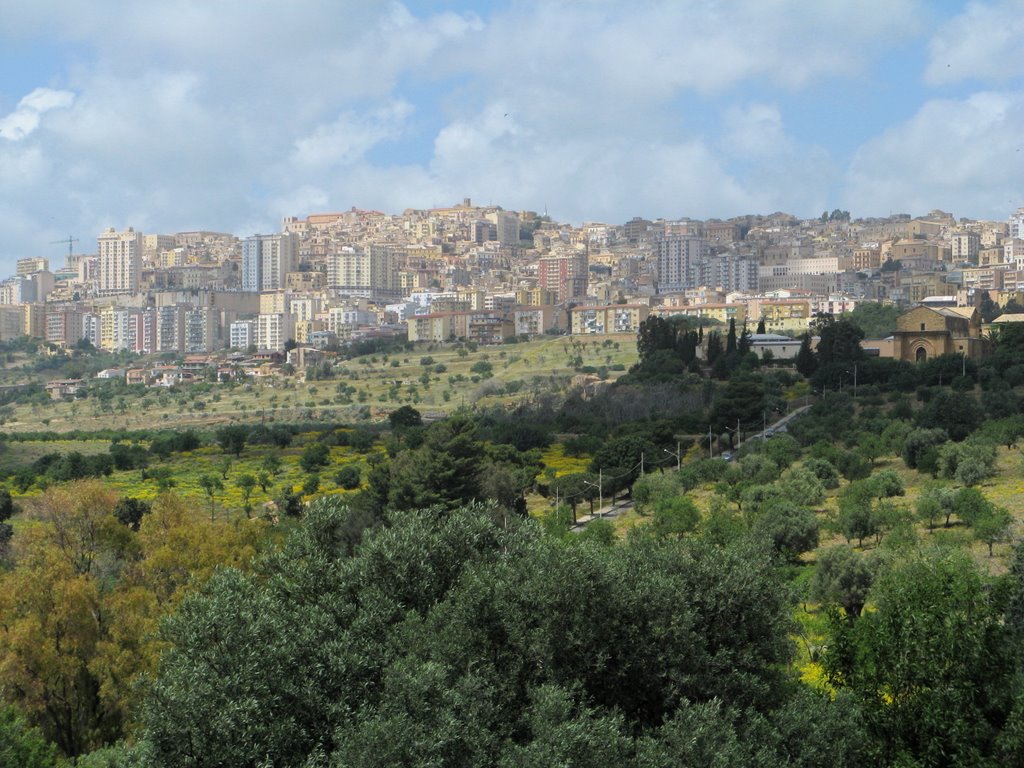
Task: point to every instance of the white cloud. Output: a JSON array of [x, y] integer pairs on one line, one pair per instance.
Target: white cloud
[[347, 139], [961, 155], [228, 115], [983, 42], [30, 110]]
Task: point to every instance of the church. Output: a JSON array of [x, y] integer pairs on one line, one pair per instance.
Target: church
[[926, 332]]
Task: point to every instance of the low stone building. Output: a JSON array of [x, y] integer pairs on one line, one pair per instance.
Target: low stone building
[[927, 332]]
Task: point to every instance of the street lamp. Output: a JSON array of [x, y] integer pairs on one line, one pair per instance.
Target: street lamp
[[600, 492], [678, 454]]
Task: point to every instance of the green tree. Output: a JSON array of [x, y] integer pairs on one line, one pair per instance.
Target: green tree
[[405, 417], [806, 362], [130, 511], [246, 484], [929, 663], [21, 745], [673, 516], [314, 457], [934, 503], [210, 484], [843, 577], [348, 477], [443, 634], [993, 527], [790, 529], [232, 438]]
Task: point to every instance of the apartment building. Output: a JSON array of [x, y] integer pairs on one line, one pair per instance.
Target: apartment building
[[610, 318], [534, 321], [267, 259], [679, 257], [273, 330], [566, 277], [370, 271], [242, 334], [119, 262]]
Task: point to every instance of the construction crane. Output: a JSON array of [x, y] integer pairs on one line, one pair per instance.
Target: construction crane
[[70, 241]]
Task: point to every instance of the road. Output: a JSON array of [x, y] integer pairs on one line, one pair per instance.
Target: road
[[608, 512], [611, 511]]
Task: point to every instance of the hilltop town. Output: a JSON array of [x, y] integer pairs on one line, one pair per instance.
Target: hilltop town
[[486, 275]]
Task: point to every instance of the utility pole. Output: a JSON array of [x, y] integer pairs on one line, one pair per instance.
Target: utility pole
[[711, 450], [854, 381], [600, 491], [641, 463]]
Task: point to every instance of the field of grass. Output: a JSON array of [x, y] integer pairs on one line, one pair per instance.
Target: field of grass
[[435, 378], [186, 469]]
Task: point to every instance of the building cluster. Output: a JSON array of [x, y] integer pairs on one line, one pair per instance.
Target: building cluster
[[485, 274]]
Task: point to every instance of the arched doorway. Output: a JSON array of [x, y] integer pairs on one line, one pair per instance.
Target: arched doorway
[[922, 355]]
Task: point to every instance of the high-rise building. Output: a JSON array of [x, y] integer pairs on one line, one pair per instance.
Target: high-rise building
[[119, 261], [64, 326], [566, 277], [1017, 224], [370, 272], [506, 226], [679, 260], [267, 259], [273, 330]]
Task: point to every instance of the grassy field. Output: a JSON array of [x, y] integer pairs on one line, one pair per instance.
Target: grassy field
[[185, 470], [432, 377]]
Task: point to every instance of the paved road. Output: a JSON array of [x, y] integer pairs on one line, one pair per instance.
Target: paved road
[[613, 510], [609, 511]]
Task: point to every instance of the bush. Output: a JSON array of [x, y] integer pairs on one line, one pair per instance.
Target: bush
[[854, 466], [825, 471], [348, 477], [791, 529], [918, 442]]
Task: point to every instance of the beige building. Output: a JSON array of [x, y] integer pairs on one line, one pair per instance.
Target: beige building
[[32, 264], [926, 332], [534, 321], [119, 262]]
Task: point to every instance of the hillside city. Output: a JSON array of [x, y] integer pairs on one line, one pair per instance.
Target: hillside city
[[486, 275]]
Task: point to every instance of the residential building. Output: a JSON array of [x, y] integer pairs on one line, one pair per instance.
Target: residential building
[[242, 334], [119, 262], [534, 321], [610, 318], [267, 259], [273, 330], [565, 276], [371, 272], [31, 264], [679, 257]]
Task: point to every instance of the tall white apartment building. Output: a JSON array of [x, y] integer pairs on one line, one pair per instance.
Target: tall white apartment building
[[119, 261], [266, 259], [242, 334], [1017, 224], [371, 272], [273, 330]]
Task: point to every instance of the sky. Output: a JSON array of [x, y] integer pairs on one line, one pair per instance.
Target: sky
[[227, 115]]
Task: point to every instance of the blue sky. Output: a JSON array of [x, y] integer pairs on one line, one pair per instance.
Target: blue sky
[[229, 115]]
